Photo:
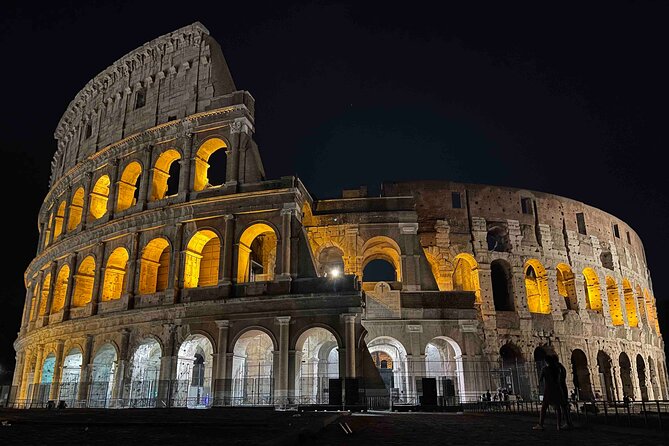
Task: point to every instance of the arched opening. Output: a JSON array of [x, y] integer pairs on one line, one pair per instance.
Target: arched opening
[[46, 287], [581, 374], [466, 274], [154, 266], [252, 369], [330, 261], [390, 358], [257, 254], [630, 304], [114, 281], [145, 374], [60, 289], [128, 190], [443, 361], [382, 248], [613, 296], [76, 209], [210, 164], [651, 312], [165, 175], [512, 372], [604, 364], [69, 382], [318, 358], [203, 255], [626, 375], [98, 198], [502, 285], [46, 380], [497, 239], [194, 373], [59, 219], [83, 283], [379, 270], [566, 286], [34, 301], [536, 287], [102, 376], [592, 290], [641, 374]]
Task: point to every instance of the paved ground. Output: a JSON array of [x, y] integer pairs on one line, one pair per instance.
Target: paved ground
[[267, 427]]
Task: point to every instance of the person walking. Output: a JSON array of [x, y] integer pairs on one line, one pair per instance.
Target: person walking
[[553, 395]]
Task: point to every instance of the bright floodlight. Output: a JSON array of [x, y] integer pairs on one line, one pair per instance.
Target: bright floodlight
[[334, 272]]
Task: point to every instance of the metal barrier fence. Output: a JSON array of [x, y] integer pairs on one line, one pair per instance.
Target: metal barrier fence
[[645, 414]]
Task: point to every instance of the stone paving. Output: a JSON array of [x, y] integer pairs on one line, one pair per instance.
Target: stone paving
[[268, 427]]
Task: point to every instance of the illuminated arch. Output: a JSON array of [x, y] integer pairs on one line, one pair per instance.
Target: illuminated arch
[[443, 360], [536, 287], [651, 311], [99, 197], [60, 289], [161, 173], [102, 376], [83, 283], [384, 248], [127, 186], [593, 291], [114, 281], [208, 148], [630, 304], [58, 220], [316, 350], [390, 358], [566, 286], [145, 372], [46, 287], [252, 368], [154, 266], [70, 375], [47, 231], [34, 301], [194, 372], [641, 305], [257, 254], [330, 258], [202, 259], [466, 274], [76, 209], [613, 296]]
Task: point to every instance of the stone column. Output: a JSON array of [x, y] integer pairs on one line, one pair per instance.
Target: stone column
[[37, 376], [72, 264], [57, 371], [226, 274], [88, 181], [25, 318], [175, 280], [557, 301], [168, 368], [68, 205], [186, 165], [38, 298], [52, 281], [98, 277], [221, 378], [86, 366], [121, 368], [282, 377], [349, 340], [142, 195], [409, 260], [286, 236], [132, 267], [238, 136], [113, 192], [519, 292]]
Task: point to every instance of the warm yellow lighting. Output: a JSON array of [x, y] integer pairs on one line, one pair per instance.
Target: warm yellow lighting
[[592, 290], [99, 197], [127, 186], [257, 245], [202, 259], [201, 180], [83, 283], [161, 173], [334, 273], [76, 209], [536, 286], [113, 284], [613, 296], [155, 263]]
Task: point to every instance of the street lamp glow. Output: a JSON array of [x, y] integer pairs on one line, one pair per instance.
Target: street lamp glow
[[334, 273]]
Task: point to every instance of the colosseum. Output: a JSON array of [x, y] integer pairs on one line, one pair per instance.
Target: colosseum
[[170, 272]]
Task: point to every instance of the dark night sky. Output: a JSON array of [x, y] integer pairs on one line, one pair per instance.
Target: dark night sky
[[567, 98]]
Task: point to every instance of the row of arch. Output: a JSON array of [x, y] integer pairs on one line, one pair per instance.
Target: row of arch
[[252, 373], [123, 192], [201, 268]]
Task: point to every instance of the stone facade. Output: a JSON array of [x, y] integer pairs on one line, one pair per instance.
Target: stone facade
[[170, 269]]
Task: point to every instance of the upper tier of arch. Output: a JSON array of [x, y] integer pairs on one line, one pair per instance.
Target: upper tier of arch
[[148, 86]]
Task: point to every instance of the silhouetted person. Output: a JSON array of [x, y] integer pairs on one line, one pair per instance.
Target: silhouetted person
[[566, 408], [553, 394]]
